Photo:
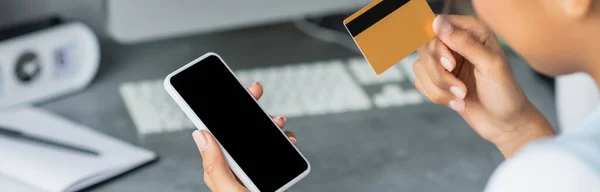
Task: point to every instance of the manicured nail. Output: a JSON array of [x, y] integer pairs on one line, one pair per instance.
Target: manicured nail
[[442, 26], [458, 106], [447, 64], [458, 92], [293, 140], [200, 139]]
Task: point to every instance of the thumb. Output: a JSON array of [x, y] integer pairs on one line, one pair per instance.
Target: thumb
[[465, 43], [214, 163]]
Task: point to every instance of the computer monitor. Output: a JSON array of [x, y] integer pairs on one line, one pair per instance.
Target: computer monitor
[[134, 21]]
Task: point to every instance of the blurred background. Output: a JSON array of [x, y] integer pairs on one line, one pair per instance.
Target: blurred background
[[380, 135]]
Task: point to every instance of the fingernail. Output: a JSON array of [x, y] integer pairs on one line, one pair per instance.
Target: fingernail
[[458, 92], [200, 139], [256, 83], [441, 26], [293, 140], [447, 64], [458, 106], [282, 119]]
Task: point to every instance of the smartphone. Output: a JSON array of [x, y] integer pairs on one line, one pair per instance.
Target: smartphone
[[256, 149]]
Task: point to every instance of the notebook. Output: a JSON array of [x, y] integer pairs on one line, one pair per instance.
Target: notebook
[[32, 167]]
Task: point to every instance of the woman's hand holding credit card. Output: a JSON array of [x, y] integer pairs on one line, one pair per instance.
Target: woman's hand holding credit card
[[461, 65], [465, 68]]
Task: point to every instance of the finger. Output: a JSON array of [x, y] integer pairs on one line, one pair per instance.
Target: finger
[[471, 24], [438, 63], [466, 44], [291, 136], [437, 50], [421, 89], [434, 93], [477, 28], [434, 72], [208, 182], [421, 76], [214, 163], [280, 121], [418, 77], [256, 90]]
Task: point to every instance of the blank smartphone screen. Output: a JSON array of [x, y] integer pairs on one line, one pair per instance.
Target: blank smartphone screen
[[239, 124]]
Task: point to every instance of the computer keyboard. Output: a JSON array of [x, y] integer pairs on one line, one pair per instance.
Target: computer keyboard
[[295, 90], [307, 89], [365, 75]]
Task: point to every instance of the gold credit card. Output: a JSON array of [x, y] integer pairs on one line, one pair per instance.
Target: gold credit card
[[386, 31]]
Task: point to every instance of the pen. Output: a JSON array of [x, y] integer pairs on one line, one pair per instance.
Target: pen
[[46, 142]]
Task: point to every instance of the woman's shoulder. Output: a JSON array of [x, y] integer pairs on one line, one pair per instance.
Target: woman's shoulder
[[545, 166]]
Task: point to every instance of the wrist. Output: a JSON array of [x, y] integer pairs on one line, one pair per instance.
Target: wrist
[[529, 126]]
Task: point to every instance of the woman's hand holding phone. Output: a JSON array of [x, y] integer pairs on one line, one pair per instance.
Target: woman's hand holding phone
[[217, 175], [465, 69]]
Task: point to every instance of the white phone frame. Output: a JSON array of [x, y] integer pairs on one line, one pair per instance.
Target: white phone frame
[[200, 125]]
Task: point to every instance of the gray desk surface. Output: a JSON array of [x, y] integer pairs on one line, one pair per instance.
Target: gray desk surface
[[414, 148]]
